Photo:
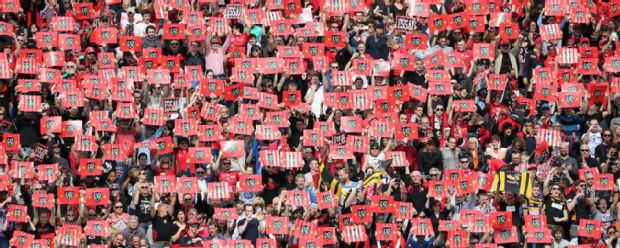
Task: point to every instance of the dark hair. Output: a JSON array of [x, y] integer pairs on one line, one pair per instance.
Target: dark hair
[[150, 27], [238, 26]]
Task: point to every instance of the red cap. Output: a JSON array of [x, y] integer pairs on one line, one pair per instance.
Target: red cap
[[89, 50], [538, 40], [504, 42], [584, 40], [194, 221]]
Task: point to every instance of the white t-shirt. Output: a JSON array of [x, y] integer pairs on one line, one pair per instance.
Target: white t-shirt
[[374, 161]]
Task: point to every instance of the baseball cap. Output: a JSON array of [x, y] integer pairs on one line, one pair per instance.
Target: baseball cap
[[539, 40], [584, 40], [504, 42], [89, 50], [374, 144]]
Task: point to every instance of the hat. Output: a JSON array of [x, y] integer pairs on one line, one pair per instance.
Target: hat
[[89, 50], [504, 42], [182, 139], [483, 62], [374, 144], [538, 40], [114, 186], [194, 221], [584, 40], [545, 106]]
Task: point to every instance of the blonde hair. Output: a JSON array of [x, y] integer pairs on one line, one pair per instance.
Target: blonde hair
[[473, 140]]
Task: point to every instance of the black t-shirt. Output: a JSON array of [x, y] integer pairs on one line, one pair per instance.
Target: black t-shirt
[[582, 209], [143, 210], [251, 230], [554, 208], [163, 228], [42, 230]]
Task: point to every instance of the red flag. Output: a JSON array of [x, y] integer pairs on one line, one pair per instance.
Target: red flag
[[187, 185], [47, 172], [354, 233], [233, 149], [40, 200], [546, 92], [22, 169], [209, 133], [71, 128], [68, 195], [535, 222], [298, 198], [501, 220], [506, 235], [251, 183], [509, 31], [408, 130], [539, 236], [458, 238], [69, 235], [174, 31], [440, 88], [63, 23], [277, 225], [21, 239], [6, 29], [52, 124], [422, 226], [17, 213], [46, 39], [90, 167], [382, 204], [154, 117], [465, 106], [604, 182], [200, 155], [327, 235], [219, 190], [98, 228], [550, 32], [83, 10], [97, 196], [438, 23], [225, 214], [326, 200], [165, 184], [105, 36], [588, 66], [85, 143]]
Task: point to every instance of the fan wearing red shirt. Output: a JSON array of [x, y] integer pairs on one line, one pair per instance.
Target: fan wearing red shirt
[[238, 38], [225, 174]]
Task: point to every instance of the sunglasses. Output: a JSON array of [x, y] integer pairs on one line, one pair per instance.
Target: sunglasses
[[606, 135], [555, 188], [464, 161], [434, 175], [200, 172], [118, 207], [439, 109], [585, 150]]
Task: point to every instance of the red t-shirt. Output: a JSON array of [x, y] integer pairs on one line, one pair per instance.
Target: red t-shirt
[[182, 161]]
